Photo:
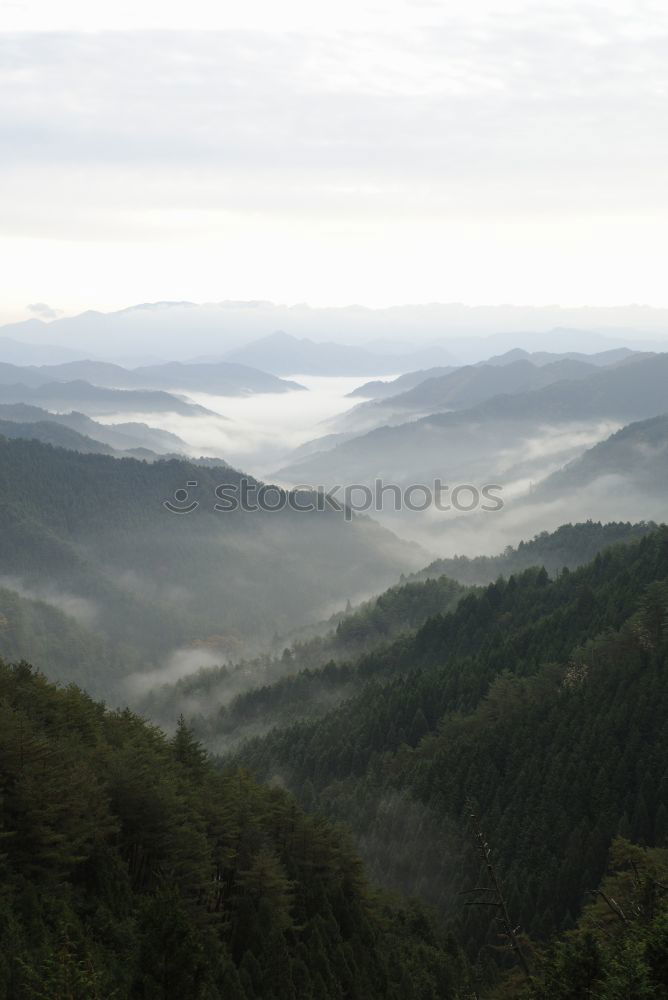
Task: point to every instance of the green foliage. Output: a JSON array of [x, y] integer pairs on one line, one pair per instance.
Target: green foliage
[[292, 686], [130, 867], [94, 527], [570, 546], [314, 674], [53, 640], [544, 701], [619, 950]]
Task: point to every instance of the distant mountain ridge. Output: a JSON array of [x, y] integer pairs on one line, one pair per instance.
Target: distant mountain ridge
[[186, 330], [222, 378], [470, 441], [20, 352], [284, 354], [472, 384], [119, 437], [99, 401], [383, 390], [380, 390], [48, 432]]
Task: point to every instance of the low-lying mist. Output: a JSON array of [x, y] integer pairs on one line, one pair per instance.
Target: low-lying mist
[[82, 609], [256, 433]]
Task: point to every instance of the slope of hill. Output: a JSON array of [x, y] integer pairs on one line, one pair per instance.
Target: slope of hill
[[381, 390], [95, 526], [493, 437], [570, 546], [22, 352], [384, 390], [284, 354], [230, 701], [465, 387], [100, 401], [462, 388], [600, 359], [234, 702], [120, 437], [52, 433], [222, 378], [539, 704], [638, 453], [132, 869], [61, 436], [58, 637]]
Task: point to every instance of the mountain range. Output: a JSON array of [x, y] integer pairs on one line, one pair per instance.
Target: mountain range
[[119, 437], [88, 530], [382, 389], [222, 378], [460, 389], [99, 401], [492, 437], [184, 330], [284, 354], [636, 457], [533, 712]]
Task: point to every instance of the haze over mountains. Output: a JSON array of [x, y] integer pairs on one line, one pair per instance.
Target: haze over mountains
[[635, 458], [333, 637], [460, 389], [99, 401], [183, 331], [512, 419], [358, 659], [282, 354], [631, 391], [80, 433], [223, 379], [95, 529], [118, 436]]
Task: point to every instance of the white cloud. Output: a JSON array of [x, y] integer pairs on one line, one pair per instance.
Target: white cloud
[[487, 151]]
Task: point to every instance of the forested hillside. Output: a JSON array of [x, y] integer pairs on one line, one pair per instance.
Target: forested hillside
[[131, 868], [94, 527], [64, 645], [118, 436], [49, 432], [570, 546], [543, 702], [619, 949], [229, 703]]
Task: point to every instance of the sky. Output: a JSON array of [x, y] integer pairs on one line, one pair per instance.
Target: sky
[[484, 152]]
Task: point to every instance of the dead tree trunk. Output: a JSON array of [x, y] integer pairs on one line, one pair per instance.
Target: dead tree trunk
[[493, 894]]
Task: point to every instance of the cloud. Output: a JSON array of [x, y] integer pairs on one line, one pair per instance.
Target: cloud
[[464, 148], [180, 663], [547, 91], [44, 310]]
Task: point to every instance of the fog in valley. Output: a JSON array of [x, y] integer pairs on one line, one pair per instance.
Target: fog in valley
[[333, 500], [172, 588], [260, 430]]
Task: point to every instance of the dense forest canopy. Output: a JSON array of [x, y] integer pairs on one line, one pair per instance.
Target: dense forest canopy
[[93, 528], [532, 714], [132, 868], [535, 704], [542, 701]]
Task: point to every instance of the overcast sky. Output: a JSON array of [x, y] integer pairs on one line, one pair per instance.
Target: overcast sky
[[484, 152]]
